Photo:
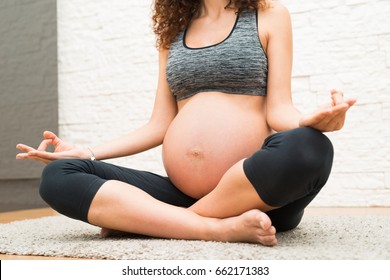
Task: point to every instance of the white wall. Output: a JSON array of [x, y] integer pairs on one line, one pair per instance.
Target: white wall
[[108, 73]]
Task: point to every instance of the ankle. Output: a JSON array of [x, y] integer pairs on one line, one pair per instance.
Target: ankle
[[212, 230]]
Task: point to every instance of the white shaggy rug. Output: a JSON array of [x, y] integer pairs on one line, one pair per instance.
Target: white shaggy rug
[[316, 238]]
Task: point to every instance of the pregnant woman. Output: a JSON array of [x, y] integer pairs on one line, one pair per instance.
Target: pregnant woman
[[242, 162]]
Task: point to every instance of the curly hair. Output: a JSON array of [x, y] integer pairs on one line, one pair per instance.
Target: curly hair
[[170, 17]]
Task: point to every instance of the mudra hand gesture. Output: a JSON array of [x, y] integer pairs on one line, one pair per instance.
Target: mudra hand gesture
[[61, 150], [330, 117]]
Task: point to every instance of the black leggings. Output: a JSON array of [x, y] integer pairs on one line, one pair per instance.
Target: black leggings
[[287, 172]]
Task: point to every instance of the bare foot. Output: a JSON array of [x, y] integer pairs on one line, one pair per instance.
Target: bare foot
[[253, 226]]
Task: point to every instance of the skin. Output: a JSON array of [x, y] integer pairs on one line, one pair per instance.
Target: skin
[[229, 208]]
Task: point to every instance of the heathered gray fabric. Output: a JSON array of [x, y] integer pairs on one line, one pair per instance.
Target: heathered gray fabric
[[237, 65]]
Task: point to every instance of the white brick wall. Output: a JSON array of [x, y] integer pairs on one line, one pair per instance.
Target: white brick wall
[[108, 71], [345, 44]]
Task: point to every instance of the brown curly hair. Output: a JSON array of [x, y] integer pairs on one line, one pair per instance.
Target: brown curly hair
[[172, 16]]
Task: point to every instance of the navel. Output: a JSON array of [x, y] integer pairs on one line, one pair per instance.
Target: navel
[[195, 153]]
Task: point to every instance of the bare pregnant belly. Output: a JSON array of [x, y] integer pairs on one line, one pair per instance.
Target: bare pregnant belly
[[211, 133]]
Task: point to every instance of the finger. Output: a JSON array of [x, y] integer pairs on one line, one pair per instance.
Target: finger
[[313, 118], [50, 135], [351, 101], [44, 161], [338, 120], [342, 107], [337, 97], [24, 148], [336, 123], [43, 155], [329, 118], [324, 114], [322, 119], [320, 115], [27, 156], [44, 144], [335, 120], [22, 156]]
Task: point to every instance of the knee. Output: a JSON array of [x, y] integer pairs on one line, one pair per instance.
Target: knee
[[50, 180], [56, 178], [308, 159], [315, 152], [313, 149], [67, 188]]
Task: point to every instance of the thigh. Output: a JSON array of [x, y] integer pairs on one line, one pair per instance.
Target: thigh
[[70, 185]]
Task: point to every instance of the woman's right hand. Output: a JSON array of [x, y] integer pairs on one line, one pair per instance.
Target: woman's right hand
[[61, 150]]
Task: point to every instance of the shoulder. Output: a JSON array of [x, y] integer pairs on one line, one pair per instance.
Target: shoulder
[[274, 19], [274, 12], [274, 8]]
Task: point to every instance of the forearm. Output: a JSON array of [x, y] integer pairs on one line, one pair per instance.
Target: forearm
[[144, 138]]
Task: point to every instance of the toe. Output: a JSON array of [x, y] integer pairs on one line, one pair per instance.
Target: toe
[[268, 240], [265, 221]]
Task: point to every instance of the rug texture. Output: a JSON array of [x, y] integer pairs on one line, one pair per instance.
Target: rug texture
[[316, 238]]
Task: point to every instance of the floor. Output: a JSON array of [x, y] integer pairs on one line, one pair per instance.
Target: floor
[[8, 217], [37, 213]]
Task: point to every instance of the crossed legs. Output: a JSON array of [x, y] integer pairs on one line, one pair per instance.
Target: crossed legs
[[233, 211], [137, 212]]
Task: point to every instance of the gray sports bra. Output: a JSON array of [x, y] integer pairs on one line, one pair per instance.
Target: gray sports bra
[[237, 65]]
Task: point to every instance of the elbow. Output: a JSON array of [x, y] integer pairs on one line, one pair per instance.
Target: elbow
[[159, 129], [280, 121], [272, 122]]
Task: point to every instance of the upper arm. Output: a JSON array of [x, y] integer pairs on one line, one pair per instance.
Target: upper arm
[[165, 106], [277, 23]]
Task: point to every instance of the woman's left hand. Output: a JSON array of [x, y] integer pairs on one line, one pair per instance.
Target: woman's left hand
[[330, 117]]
